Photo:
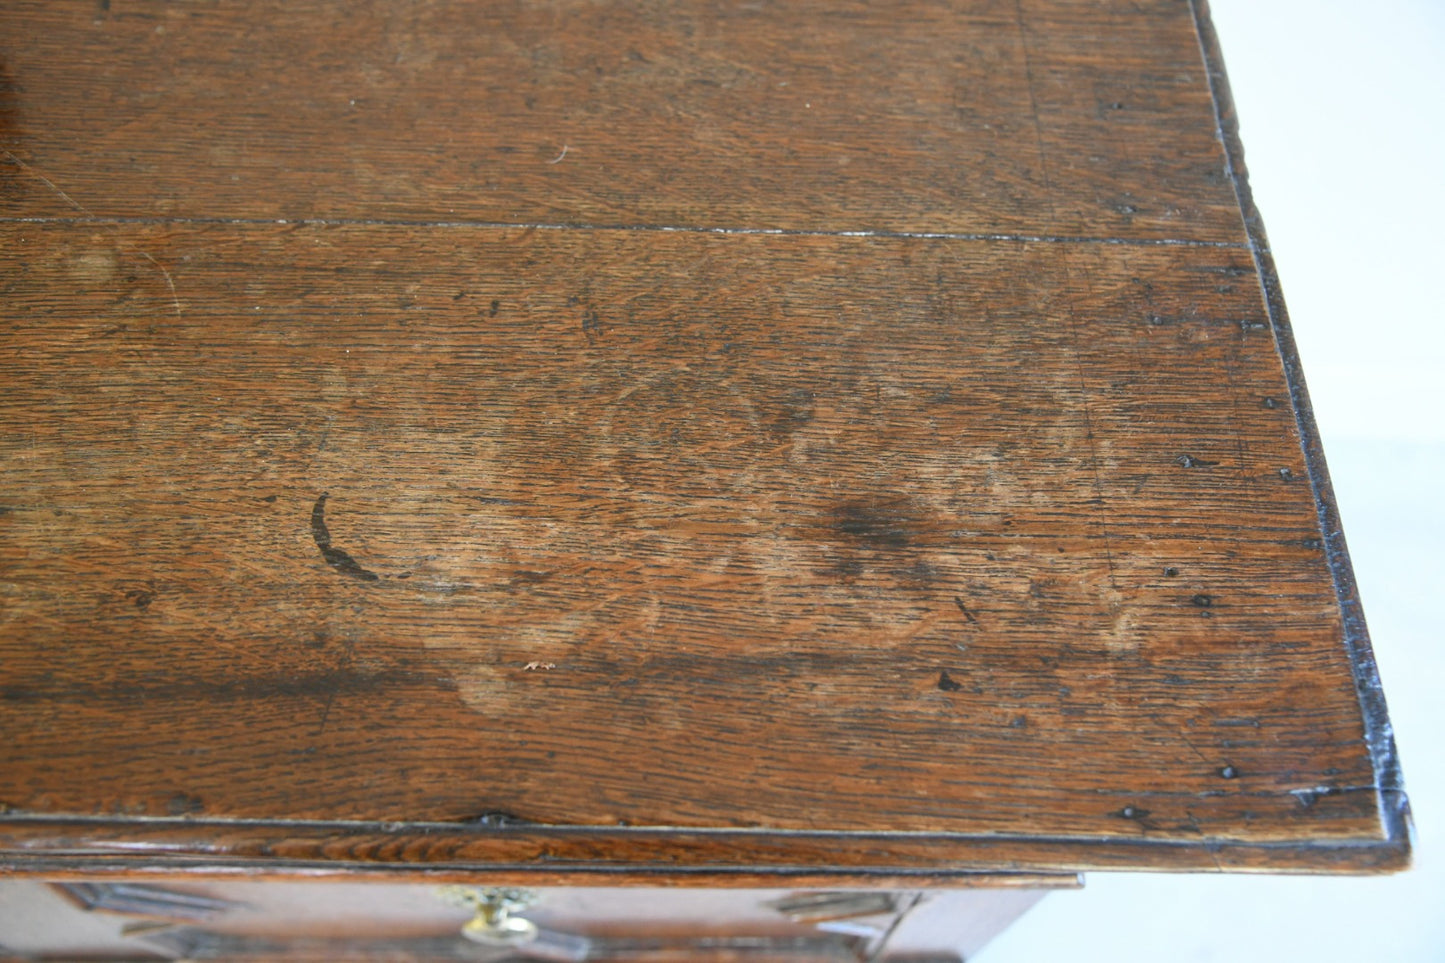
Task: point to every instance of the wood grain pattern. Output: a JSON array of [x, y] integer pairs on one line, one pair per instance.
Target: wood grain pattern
[[969, 539], [439, 525], [983, 116]]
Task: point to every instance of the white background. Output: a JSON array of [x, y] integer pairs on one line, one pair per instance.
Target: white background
[[1342, 113]]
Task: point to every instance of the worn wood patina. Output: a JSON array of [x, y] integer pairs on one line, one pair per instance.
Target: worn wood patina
[[679, 442]]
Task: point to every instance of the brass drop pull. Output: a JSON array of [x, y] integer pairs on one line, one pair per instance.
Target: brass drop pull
[[494, 924]]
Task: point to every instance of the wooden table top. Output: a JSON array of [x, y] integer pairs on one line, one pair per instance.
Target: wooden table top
[[839, 440]]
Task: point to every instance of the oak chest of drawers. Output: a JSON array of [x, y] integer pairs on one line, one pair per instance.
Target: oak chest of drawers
[[701, 481]]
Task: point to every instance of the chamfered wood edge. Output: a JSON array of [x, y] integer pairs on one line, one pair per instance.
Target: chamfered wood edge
[[1379, 733], [39, 845], [163, 872]]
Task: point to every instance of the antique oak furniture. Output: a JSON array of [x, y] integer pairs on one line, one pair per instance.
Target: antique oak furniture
[[706, 481]]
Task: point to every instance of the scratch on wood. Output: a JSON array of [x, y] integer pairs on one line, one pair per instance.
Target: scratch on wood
[[170, 283], [326, 712], [46, 181]]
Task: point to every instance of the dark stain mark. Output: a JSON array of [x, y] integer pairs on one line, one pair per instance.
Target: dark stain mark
[[1229, 772], [270, 499], [1171, 572], [334, 557], [1202, 600], [1160, 321], [1270, 402], [141, 597], [1247, 326], [459, 295], [495, 307], [489, 500], [1189, 461], [1237, 723], [918, 575], [1228, 271], [947, 684], [182, 804], [1134, 813], [591, 320], [497, 819], [528, 577], [964, 609], [878, 524], [791, 412], [1286, 475]]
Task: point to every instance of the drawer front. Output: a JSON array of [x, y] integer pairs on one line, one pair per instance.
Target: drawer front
[[254, 921]]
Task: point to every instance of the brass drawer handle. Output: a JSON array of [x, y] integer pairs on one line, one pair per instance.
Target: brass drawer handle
[[494, 924]]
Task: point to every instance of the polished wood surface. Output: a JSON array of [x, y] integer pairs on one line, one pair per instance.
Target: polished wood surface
[[568, 439]]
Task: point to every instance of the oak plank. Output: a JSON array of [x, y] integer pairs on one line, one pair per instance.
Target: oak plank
[[601, 528], [1040, 117]]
